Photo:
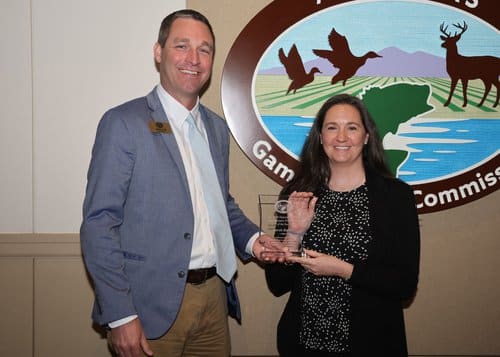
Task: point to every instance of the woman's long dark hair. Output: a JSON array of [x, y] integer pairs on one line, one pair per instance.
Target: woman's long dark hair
[[314, 168]]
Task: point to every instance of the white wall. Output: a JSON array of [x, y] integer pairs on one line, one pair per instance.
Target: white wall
[[63, 63], [15, 117]]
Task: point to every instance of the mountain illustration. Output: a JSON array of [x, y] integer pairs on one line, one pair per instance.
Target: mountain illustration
[[394, 63]]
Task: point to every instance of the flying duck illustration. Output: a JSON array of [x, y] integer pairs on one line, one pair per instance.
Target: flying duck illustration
[[295, 69], [342, 58]]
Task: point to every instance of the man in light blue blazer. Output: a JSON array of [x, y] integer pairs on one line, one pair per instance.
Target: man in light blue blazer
[[146, 234]]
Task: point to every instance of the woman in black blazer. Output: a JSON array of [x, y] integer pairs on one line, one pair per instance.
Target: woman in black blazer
[[361, 236]]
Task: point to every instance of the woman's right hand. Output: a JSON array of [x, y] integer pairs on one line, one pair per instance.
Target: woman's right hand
[[300, 211]]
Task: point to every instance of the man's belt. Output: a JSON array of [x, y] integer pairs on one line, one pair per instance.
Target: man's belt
[[199, 276]]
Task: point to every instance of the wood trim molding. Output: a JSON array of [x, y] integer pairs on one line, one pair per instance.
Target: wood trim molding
[[40, 245]]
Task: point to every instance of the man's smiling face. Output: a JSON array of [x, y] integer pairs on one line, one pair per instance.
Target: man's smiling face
[[185, 62]]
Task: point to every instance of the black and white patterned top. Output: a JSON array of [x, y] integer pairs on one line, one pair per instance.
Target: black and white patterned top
[[340, 228]]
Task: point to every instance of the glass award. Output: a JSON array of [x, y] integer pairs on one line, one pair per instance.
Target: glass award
[[273, 221]]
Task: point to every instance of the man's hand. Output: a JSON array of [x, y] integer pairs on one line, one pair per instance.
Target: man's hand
[[128, 340], [268, 249]]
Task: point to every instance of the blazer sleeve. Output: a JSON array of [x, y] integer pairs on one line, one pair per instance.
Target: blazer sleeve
[[242, 228], [392, 267], [108, 178]]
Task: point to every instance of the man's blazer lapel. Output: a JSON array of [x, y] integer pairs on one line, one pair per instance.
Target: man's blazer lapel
[[159, 115]]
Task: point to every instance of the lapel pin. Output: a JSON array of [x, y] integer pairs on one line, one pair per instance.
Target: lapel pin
[[158, 127]]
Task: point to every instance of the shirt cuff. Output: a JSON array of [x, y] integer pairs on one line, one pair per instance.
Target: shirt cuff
[[123, 321], [250, 243]]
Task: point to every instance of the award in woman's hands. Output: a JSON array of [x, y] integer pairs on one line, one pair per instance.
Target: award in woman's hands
[[284, 220]]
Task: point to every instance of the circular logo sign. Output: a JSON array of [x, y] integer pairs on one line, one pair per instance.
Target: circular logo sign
[[429, 77]]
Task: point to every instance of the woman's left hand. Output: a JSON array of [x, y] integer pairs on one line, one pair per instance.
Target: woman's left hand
[[321, 264]]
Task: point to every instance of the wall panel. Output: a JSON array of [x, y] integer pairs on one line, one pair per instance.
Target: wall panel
[[87, 57], [16, 306], [62, 303], [15, 117]]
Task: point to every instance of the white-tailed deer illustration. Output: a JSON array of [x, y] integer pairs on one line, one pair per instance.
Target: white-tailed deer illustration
[[486, 68]]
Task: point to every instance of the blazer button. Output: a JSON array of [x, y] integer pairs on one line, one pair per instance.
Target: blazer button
[[181, 274], [187, 236]]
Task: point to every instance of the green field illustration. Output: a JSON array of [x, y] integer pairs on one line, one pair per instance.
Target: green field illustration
[[271, 98]]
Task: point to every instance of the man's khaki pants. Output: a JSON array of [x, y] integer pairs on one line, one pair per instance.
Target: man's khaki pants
[[201, 327]]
